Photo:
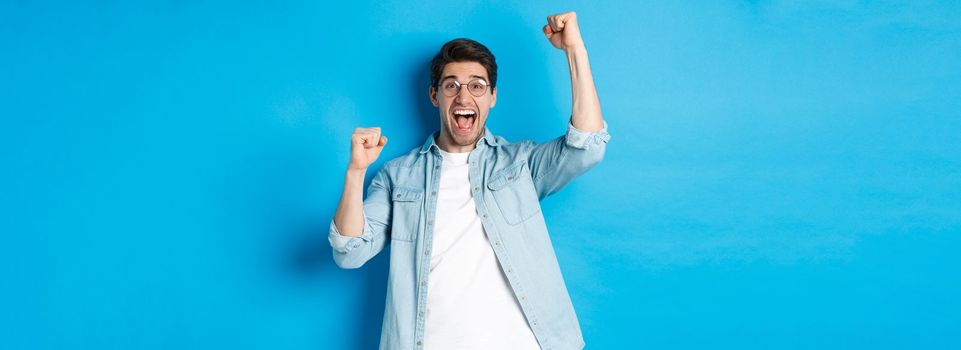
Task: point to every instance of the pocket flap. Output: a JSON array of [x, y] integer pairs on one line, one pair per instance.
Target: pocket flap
[[505, 176], [405, 194]]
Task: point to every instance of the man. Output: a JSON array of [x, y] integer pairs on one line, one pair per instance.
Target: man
[[471, 263]]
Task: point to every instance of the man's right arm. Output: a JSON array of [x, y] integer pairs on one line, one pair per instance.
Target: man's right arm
[[349, 217], [359, 227]]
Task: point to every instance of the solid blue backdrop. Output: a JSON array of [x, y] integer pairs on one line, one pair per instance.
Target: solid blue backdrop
[[781, 174]]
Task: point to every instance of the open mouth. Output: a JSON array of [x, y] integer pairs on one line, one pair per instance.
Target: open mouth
[[464, 120]]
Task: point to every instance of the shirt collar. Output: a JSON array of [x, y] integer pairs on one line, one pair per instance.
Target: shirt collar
[[488, 138]]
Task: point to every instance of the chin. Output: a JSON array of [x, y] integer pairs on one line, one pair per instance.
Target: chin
[[469, 140]]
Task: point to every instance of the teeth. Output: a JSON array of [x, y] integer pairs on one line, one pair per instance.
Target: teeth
[[464, 120], [465, 113]]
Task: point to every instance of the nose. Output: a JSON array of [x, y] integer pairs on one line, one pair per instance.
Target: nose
[[462, 94]]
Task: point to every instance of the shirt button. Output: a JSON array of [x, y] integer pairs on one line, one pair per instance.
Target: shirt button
[[485, 215], [434, 193], [419, 343], [475, 189], [497, 243], [509, 178]]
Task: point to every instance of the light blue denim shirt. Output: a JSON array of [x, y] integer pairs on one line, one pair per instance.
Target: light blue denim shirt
[[507, 180]]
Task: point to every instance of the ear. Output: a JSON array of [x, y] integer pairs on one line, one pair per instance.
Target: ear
[[493, 97], [432, 92]]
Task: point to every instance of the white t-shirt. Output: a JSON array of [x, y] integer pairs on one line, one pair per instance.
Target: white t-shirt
[[470, 304]]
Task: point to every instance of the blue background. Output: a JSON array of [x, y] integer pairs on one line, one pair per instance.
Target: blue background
[[781, 174]]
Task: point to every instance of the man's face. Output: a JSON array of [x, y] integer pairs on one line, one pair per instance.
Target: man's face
[[462, 116]]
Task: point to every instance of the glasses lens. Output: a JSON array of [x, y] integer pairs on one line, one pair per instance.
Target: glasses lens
[[477, 87], [450, 87]]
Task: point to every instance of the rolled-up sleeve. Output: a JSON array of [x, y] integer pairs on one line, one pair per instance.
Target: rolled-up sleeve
[[344, 244], [580, 139], [555, 163]]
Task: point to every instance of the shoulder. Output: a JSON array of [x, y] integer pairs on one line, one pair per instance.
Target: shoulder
[[406, 160], [513, 149], [403, 163], [402, 169]]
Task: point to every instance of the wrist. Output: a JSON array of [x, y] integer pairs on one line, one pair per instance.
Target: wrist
[[356, 172], [572, 50]]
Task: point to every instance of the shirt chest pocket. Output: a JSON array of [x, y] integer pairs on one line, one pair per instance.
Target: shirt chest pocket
[[407, 204], [514, 192]]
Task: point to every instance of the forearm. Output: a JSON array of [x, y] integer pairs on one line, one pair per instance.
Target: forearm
[[586, 110], [349, 217]]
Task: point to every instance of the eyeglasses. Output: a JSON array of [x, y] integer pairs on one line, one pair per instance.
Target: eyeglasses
[[451, 87]]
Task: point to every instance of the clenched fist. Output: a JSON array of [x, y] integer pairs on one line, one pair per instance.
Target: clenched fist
[[562, 31], [365, 147]]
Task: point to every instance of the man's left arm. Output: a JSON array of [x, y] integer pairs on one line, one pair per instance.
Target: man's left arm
[[555, 163], [563, 32]]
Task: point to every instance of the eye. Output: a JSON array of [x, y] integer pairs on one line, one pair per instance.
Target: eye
[[476, 86], [450, 85]]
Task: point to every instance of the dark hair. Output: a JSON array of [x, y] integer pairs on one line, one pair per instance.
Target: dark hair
[[463, 50]]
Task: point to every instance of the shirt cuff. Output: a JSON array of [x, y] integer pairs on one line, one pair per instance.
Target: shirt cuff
[[586, 139], [344, 244]]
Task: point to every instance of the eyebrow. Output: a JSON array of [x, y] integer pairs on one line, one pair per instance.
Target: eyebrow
[[455, 77]]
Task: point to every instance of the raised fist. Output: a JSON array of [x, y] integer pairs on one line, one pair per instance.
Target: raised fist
[[562, 31], [365, 147]]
